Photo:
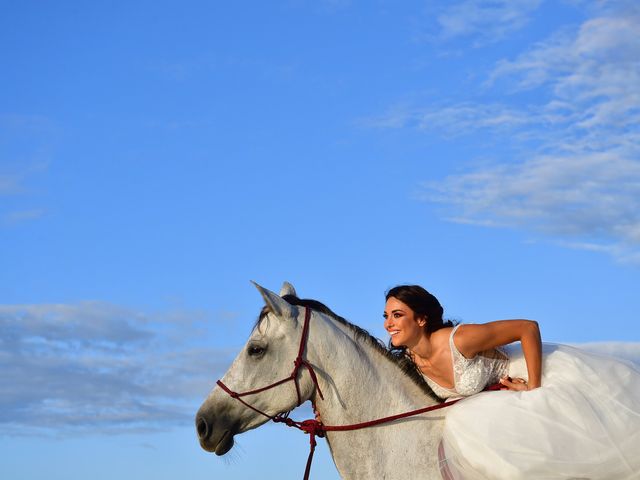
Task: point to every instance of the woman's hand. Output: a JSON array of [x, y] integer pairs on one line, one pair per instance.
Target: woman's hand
[[516, 384]]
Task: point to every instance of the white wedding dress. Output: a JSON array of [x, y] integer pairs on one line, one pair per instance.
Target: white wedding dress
[[582, 423]]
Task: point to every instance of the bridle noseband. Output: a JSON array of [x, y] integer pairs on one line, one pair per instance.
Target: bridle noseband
[[298, 363]]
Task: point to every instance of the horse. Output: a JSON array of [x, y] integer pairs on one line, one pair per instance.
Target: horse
[[350, 377]]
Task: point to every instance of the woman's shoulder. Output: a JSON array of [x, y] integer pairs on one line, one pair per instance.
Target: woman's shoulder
[[440, 338]]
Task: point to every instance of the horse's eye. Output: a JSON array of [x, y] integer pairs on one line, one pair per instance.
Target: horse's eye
[[255, 350]]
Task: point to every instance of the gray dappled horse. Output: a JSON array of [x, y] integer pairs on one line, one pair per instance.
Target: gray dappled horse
[[359, 380]]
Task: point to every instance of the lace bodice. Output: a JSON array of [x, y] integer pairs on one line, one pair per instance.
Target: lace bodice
[[471, 375]]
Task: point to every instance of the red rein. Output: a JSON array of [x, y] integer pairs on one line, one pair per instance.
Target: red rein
[[313, 427]]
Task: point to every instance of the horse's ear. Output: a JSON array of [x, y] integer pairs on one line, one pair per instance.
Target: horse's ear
[[277, 304], [287, 289]]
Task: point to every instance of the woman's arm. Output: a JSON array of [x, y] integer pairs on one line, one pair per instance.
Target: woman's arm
[[472, 339]]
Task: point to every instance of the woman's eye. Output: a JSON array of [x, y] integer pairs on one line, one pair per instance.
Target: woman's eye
[[255, 350]]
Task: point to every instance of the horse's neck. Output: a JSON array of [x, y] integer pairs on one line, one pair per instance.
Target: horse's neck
[[360, 384], [355, 375]]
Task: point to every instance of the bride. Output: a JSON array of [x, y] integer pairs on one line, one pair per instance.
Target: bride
[[568, 414]]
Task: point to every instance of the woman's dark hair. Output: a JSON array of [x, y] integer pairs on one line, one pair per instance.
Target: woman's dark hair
[[424, 305]]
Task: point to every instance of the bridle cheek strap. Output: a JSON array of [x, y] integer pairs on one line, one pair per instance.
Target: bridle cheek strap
[[312, 427], [298, 363]]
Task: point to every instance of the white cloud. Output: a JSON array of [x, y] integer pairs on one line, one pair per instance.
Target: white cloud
[[596, 71], [26, 122], [14, 183], [96, 366], [591, 196], [12, 218], [486, 21], [577, 176], [455, 119], [9, 184]]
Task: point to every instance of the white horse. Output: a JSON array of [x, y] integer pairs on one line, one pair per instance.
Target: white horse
[[360, 381]]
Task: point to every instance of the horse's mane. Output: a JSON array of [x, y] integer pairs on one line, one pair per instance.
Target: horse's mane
[[402, 361]]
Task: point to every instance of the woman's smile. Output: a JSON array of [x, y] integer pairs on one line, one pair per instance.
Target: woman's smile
[[401, 324]]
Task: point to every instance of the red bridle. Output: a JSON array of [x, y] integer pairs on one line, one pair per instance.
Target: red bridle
[[298, 363], [313, 427]]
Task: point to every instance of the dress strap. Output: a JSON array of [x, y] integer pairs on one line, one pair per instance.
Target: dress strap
[[455, 353]]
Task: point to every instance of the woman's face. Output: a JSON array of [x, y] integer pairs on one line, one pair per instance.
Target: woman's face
[[401, 323]]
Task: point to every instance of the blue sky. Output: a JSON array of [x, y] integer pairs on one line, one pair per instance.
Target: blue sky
[[156, 156]]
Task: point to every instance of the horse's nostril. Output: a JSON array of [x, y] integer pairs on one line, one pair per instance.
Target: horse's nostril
[[202, 428]]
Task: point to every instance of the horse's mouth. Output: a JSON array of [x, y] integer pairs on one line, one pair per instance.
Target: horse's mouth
[[222, 446], [225, 443]]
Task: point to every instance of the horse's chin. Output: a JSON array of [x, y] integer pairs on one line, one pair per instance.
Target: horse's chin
[[222, 446], [225, 444]]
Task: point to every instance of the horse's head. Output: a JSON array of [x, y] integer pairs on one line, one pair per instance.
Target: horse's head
[[266, 358]]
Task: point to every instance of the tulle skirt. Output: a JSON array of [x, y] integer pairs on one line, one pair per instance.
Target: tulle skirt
[[583, 423]]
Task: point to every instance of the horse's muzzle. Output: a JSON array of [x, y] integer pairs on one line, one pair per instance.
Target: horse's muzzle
[[213, 438]]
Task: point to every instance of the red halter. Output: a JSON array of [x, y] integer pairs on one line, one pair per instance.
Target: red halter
[[313, 427], [298, 363]]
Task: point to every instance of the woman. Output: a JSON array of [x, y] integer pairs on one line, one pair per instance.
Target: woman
[[569, 414], [459, 360]]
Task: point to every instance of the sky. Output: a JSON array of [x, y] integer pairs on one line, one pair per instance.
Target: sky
[[157, 156]]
